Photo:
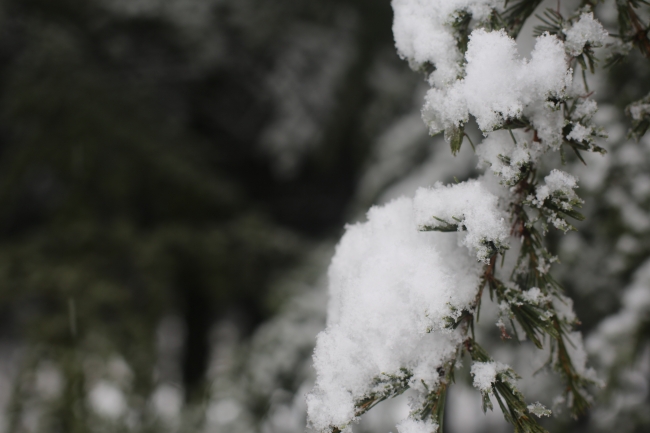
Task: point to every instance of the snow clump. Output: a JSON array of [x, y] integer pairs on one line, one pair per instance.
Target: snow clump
[[392, 289], [424, 33], [585, 31], [411, 425], [469, 206], [584, 110], [485, 374], [560, 184], [538, 409], [508, 157], [498, 84]]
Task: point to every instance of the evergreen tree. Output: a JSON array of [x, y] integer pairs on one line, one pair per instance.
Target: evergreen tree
[[391, 287]]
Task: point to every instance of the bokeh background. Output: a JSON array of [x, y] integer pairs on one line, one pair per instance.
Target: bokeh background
[[174, 175]]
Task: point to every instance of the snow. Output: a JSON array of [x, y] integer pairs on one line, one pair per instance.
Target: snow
[[639, 111], [470, 206], [538, 409], [558, 183], [585, 109], [499, 84], [579, 133], [563, 307], [585, 31], [397, 279], [392, 288], [578, 355], [506, 158], [535, 296], [485, 374], [414, 426], [424, 34], [558, 191]]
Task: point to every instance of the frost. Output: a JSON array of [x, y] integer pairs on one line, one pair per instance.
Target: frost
[[585, 31], [498, 84], [393, 289], [485, 374], [424, 33], [468, 205]]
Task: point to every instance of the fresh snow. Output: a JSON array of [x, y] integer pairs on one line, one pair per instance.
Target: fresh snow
[[392, 288], [396, 281], [559, 184], [507, 157], [410, 425], [470, 206], [485, 374], [585, 31], [585, 109], [424, 34], [499, 85]]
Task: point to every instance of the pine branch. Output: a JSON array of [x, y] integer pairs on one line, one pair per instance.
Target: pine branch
[[510, 400], [384, 387], [631, 28], [516, 14]]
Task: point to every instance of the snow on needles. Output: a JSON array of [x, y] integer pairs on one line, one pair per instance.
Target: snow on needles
[[424, 32], [485, 374], [392, 290], [471, 207], [410, 425], [558, 183], [585, 31], [507, 157], [498, 84], [397, 281]]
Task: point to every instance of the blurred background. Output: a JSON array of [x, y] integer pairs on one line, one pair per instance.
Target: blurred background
[[174, 175]]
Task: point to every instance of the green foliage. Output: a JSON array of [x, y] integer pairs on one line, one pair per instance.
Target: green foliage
[[510, 400], [434, 403], [516, 14], [454, 137], [631, 27]]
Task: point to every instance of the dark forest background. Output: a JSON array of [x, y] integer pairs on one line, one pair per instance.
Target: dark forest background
[[172, 159]]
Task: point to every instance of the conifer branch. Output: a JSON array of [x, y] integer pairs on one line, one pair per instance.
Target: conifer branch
[[529, 298]]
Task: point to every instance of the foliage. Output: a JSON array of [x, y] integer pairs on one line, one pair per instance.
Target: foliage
[[530, 299]]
